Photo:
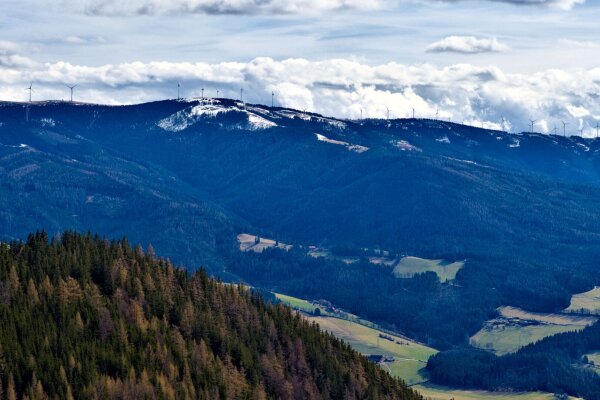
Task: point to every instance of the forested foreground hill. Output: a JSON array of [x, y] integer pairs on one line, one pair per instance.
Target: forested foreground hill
[[82, 317]]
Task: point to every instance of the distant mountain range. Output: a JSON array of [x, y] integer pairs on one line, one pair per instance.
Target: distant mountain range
[[158, 172], [188, 176]]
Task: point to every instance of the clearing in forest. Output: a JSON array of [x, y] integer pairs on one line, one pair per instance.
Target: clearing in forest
[[585, 303], [410, 266], [515, 328], [258, 244]]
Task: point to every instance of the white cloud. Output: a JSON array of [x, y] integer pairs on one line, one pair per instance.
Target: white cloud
[[467, 45], [578, 44], [160, 7], [157, 7], [73, 39], [338, 87], [560, 4], [10, 57]]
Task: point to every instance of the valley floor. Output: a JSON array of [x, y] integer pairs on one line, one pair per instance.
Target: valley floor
[[409, 357]]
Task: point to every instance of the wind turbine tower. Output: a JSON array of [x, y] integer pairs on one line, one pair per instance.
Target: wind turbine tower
[[30, 88], [272, 99], [178, 87], [533, 121], [71, 87], [564, 128], [597, 129]]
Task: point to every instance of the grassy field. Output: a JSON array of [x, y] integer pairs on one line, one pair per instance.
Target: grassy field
[[594, 362], [299, 304], [594, 357], [509, 339], [434, 392], [516, 328], [248, 243], [588, 301], [410, 357], [410, 266]]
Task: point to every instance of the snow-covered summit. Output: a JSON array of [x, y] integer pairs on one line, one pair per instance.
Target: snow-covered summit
[[212, 109]]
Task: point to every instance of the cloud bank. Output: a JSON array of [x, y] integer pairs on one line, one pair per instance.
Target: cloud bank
[[340, 88], [467, 45], [161, 7], [166, 7], [560, 4]]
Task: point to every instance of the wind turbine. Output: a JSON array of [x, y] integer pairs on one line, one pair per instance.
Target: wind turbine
[[242, 95], [437, 113], [203, 95], [217, 93], [555, 129], [597, 128], [504, 124], [533, 121], [413, 113], [30, 88], [564, 128], [71, 87], [388, 113], [178, 87], [272, 99]]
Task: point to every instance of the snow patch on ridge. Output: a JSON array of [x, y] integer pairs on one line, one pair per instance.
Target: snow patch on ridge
[[351, 147], [256, 122], [404, 145], [516, 143]]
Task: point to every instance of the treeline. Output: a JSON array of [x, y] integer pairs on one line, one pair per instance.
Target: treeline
[[83, 317], [553, 365]]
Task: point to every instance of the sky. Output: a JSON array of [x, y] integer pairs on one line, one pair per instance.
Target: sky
[[469, 61]]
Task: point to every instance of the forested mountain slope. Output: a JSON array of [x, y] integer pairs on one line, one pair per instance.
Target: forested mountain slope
[[82, 317], [188, 176]]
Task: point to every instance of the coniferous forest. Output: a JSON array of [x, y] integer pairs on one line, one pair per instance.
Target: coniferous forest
[[84, 317]]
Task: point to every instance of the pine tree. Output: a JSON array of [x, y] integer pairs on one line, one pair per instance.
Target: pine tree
[[11, 393], [32, 293]]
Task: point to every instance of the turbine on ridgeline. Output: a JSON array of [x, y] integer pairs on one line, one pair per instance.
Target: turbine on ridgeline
[[30, 88], [71, 87], [532, 124]]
